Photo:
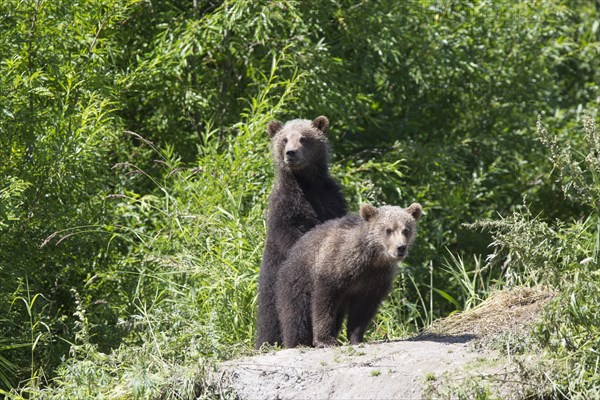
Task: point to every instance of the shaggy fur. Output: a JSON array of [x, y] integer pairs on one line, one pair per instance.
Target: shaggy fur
[[342, 268], [304, 195]]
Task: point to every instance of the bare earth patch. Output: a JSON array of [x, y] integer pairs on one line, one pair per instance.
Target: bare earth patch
[[432, 364]]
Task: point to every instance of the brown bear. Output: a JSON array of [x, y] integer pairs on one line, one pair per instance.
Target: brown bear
[[343, 267], [303, 196]]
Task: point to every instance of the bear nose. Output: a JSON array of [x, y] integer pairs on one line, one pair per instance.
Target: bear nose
[[401, 250], [290, 153]]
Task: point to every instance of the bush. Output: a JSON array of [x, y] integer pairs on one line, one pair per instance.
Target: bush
[[58, 134], [565, 257]]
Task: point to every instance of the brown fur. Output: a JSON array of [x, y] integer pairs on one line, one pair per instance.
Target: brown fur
[[342, 268], [304, 195]]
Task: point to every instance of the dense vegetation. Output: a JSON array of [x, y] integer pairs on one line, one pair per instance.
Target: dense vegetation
[[135, 170]]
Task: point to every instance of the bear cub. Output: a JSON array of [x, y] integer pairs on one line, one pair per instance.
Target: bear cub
[[342, 268], [303, 196]]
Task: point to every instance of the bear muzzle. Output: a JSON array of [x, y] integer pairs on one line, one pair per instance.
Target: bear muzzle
[[293, 158], [401, 251], [290, 154]]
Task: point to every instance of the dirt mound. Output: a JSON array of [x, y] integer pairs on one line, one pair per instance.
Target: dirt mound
[[371, 371], [416, 368]]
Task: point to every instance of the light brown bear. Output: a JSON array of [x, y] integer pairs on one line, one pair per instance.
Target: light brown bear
[[344, 267]]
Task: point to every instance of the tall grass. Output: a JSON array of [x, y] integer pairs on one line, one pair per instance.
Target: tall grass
[[184, 292], [473, 279]]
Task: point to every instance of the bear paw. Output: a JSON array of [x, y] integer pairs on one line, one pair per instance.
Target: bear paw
[[329, 342]]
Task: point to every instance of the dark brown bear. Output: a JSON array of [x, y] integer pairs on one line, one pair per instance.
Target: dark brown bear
[[304, 195], [342, 268]]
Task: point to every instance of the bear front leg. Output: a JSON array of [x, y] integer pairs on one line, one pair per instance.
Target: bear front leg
[[324, 316], [268, 327], [360, 313]]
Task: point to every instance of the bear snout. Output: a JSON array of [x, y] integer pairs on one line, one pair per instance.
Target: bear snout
[[401, 250], [293, 157]]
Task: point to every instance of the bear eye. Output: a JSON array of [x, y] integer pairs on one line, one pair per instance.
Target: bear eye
[[285, 140], [388, 231], [405, 231], [303, 140]]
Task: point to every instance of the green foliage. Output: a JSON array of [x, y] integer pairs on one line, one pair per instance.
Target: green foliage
[[562, 255], [578, 171], [135, 168], [474, 281], [58, 133], [185, 293]]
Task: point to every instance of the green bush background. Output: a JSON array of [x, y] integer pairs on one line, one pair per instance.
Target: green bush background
[[135, 170]]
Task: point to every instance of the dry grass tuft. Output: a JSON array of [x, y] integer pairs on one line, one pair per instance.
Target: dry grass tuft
[[513, 310]]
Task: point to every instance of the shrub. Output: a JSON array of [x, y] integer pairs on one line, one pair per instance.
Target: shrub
[[562, 255]]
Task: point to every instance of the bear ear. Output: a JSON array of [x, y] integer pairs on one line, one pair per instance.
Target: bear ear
[[274, 127], [415, 210], [321, 123], [367, 212]]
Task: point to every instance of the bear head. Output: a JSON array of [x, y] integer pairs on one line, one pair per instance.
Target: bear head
[[300, 144], [391, 229]]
